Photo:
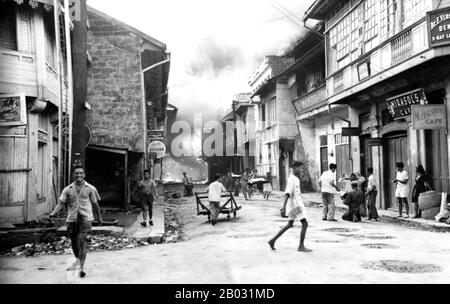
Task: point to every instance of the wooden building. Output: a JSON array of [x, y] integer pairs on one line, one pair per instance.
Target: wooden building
[[32, 87]]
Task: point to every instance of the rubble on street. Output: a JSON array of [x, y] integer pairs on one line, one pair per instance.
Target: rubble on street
[[58, 245]]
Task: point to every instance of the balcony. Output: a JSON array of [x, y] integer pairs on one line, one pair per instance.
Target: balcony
[[310, 101], [397, 54]]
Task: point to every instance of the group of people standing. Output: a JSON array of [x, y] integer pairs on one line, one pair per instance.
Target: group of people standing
[[362, 196]]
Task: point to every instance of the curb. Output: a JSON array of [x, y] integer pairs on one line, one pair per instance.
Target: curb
[[394, 220]]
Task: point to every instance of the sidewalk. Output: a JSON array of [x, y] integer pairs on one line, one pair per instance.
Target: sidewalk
[[151, 234], [315, 199]]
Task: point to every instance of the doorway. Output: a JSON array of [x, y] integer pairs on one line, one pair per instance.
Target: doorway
[[395, 150], [437, 159]]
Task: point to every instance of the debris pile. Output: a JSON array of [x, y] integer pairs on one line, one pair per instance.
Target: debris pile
[[173, 229], [62, 245]]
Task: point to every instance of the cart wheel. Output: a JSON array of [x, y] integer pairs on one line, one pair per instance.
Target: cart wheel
[[234, 213]]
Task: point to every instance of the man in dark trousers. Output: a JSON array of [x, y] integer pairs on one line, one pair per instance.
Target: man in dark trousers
[[80, 198], [354, 199], [148, 190]]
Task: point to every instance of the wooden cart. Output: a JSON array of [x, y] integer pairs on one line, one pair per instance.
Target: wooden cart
[[230, 206]]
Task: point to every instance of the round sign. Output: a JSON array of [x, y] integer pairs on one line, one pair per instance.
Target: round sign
[[158, 148]]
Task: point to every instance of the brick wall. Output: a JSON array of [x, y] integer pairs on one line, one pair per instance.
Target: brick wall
[[114, 86]]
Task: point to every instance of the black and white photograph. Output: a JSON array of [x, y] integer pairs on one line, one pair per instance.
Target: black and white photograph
[[209, 143]]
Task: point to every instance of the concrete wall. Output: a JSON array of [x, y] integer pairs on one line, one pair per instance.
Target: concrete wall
[[114, 86], [286, 112]]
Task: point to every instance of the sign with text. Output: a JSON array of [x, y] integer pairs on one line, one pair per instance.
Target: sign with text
[[157, 148], [351, 132], [400, 106], [439, 27], [12, 110], [429, 117]]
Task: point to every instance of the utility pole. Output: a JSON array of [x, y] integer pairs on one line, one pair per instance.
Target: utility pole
[[80, 66], [235, 161]]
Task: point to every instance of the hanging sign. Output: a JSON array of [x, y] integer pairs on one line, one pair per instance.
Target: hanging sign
[[439, 27], [400, 105], [12, 110], [157, 149], [429, 117]]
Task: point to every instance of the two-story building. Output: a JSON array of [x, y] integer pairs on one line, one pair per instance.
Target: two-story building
[[33, 86], [127, 93], [388, 60], [319, 141], [276, 130]]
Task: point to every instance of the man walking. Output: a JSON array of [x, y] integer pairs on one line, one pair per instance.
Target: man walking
[[244, 184], [79, 198], [327, 183], [187, 184], [214, 196], [148, 190], [294, 208], [402, 191]]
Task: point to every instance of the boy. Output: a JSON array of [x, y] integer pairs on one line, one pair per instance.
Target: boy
[[354, 199], [149, 192], [402, 191], [214, 196], [295, 208]]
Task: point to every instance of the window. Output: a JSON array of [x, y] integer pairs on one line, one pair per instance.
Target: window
[[41, 170], [262, 114], [371, 13], [8, 26], [323, 153], [272, 112], [345, 39], [388, 18], [413, 11], [50, 41]]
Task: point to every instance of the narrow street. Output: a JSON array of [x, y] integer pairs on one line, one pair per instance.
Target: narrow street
[[236, 251]]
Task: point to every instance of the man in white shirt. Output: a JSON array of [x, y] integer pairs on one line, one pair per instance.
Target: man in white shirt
[[402, 191], [372, 195], [327, 183], [215, 191], [295, 208]]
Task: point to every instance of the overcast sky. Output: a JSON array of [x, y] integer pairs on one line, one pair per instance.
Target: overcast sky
[[215, 45]]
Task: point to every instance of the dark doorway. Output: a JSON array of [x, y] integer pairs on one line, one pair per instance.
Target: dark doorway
[[106, 171], [395, 150]]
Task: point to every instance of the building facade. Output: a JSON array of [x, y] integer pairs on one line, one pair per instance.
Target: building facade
[[388, 61], [127, 94], [276, 130], [33, 86], [319, 140]]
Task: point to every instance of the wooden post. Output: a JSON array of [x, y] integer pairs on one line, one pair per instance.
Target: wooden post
[[80, 67]]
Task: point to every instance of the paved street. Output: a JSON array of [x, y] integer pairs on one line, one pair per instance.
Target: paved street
[[236, 251]]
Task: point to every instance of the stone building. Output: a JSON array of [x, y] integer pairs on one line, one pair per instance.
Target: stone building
[[388, 61], [127, 96]]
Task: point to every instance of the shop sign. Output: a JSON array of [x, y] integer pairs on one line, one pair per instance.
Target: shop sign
[[429, 117], [439, 27], [400, 106], [12, 110], [157, 149], [351, 131]]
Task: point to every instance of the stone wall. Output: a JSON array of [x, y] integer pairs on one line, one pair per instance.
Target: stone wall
[[114, 86]]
